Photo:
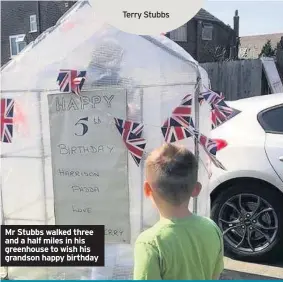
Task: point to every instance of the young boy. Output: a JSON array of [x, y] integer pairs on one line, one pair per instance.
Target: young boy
[[182, 245]]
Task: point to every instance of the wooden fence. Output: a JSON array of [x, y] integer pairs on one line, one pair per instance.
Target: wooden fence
[[236, 79]]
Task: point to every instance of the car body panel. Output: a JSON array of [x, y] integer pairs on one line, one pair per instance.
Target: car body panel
[[257, 103], [250, 151], [267, 176], [274, 151]]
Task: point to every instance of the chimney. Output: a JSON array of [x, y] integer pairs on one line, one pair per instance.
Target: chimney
[[236, 29], [236, 23]]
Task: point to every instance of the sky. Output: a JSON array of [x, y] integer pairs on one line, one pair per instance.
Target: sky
[[256, 17]]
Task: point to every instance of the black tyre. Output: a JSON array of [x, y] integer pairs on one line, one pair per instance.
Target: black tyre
[[250, 216]]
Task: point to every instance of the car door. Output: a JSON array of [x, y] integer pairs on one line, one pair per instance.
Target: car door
[[272, 122]]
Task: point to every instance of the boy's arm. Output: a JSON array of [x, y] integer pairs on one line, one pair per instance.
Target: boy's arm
[[147, 265], [219, 267]]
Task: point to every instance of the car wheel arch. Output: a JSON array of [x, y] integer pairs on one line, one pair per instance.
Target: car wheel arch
[[219, 189]]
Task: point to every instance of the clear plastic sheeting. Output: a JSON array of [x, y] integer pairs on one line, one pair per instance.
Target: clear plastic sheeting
[[156, 74]]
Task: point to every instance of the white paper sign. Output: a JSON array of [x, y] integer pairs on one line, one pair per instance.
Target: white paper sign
[[89, 161]]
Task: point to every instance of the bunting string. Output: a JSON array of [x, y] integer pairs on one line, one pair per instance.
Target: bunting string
[[177, 127], [180, 126]]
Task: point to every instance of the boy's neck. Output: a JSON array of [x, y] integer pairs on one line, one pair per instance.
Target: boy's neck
[[174, 212]]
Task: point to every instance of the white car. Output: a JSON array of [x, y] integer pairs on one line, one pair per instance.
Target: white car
[[247, 198]]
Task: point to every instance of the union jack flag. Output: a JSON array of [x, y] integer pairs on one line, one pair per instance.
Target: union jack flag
[[71, 81], [214, 160], [131, 133], [220, 112], [176, 127], [7, 115], [180, 126], [210, 147], [20, 121], [175, 133], [67, 26], [182, 115], [211, 97], [208, 143]]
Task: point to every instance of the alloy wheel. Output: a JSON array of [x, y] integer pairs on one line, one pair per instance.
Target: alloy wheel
[[248, 222]]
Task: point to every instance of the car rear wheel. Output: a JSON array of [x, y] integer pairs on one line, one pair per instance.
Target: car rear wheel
[[251, 219]]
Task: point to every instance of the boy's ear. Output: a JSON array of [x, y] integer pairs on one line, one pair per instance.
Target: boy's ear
[[147, 189], [196, 190]]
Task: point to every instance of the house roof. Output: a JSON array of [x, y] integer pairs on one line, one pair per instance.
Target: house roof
[[206, 16], [251, 46]]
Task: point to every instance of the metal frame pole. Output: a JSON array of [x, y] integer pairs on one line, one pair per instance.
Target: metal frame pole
[[42, 161], [197, 92], [42, 155], [6, 268], [142, 164]]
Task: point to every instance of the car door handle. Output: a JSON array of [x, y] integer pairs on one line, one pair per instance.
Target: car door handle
[[281, 158]]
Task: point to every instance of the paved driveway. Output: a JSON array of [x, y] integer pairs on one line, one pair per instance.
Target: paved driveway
[[234, 270], [238, 270]]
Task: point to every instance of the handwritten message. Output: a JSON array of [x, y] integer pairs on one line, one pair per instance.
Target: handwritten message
[[89, 161]]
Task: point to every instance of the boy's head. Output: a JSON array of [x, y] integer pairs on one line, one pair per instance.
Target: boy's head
[[171, 175]]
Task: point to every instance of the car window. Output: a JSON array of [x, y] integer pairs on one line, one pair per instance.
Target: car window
[[271, 120]]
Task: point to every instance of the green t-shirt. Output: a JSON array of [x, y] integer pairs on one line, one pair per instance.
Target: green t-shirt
[[190, 248]]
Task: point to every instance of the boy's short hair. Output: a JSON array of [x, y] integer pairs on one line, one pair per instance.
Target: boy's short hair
[[173, 171]]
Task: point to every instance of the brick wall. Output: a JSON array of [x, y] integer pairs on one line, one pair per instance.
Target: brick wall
[[52, 11], [15, 20], [15, 17]]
